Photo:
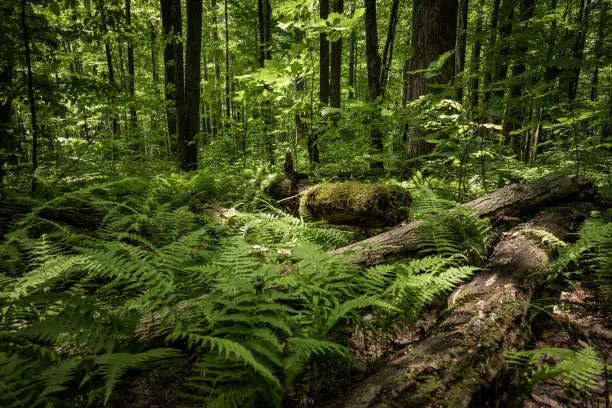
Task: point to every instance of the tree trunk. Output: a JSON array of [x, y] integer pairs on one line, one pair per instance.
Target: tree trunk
[[463, 356], [111, 79], [501, 67], [460, 51], [510, 201], [130, 83], [179, 80], [167, 15], [515, 112], [192, 84], [336, 62], [491, 56], [7, 138], [573, 74], [601, 32], [352, 69], [475, 62], [265, 15], [228, 109], [374, 87], [388, 51], [434, 32], [26, 44]]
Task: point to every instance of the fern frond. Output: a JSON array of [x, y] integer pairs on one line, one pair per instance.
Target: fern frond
[[113, 366]]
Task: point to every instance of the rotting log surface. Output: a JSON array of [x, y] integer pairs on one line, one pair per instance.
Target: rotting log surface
[[510, 201], [351, 203], [456, 363]]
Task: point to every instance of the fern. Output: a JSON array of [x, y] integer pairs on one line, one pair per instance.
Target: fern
[[580, 369], [113, 366], [592, 252]]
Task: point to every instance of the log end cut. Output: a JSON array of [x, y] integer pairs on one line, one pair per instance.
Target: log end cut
[[366, 205]]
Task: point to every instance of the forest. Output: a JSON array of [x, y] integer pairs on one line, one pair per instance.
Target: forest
[[305, 203]]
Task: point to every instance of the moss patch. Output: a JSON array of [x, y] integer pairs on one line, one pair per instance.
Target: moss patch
[[368, 205]]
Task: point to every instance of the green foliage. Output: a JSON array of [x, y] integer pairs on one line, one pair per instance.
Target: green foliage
[[580, 370], [257, 302], [591, 252]]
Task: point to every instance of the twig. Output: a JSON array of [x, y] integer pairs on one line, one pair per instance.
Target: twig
[[289, 198], [453, 191]]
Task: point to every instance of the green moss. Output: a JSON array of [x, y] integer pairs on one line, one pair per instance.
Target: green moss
[[356, 203]]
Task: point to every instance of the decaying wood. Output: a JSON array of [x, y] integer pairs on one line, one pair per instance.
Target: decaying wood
[[510, 201], [351, 203], [455, 365]]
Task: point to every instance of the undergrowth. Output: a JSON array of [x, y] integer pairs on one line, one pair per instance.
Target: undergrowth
[[252, 306]]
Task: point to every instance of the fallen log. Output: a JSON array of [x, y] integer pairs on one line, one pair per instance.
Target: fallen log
[[511, 201], [455, 365], [351, 203]]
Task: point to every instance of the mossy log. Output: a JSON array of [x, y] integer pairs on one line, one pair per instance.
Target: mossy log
[[511, 201], [457, 365], [350, 203]]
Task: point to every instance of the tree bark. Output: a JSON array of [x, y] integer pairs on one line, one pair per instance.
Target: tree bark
[[265, 14], [515, 112], [111, 78], [374, 87], [573, 74], [475, 63], [131, 74], [192, 84], [7, 138], [167, 17], [463, 355], [434, 32], [179, 80], [388, 50], [228, 108], [26, 43], [599, 54], [460, 51], [501, 67], [488, 76], [510, 201], [336, 62]]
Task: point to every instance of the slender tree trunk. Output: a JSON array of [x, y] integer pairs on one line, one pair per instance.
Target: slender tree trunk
[[131, 74], [7, 138], [336, 62], [228, 110], [216, 109], [192, 84], [601, 32], [26, 44], [387, 57], [301, 127], [434, 31], [374, 64], [505, 30], [167, 14], [352, 69], [491, 56], [475, 61], [179, 81], [324, 57], [573, 74], [154, 59], [462, 26], [265, 16], [515, 111], [111, 78]]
